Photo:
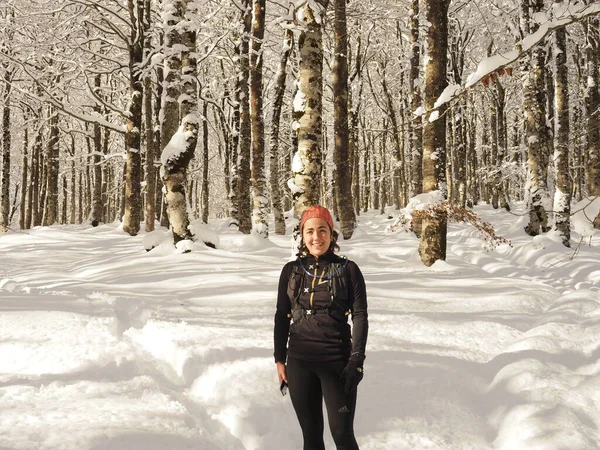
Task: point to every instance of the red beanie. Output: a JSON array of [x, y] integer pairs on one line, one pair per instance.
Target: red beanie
[[316, 212]]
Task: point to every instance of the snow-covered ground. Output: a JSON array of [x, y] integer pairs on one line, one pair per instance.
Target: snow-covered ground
[[105, 346]]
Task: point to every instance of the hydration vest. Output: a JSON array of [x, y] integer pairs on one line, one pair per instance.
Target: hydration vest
[[337, 308]]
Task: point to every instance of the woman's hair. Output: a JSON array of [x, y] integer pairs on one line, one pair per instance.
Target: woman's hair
[[333, 247]]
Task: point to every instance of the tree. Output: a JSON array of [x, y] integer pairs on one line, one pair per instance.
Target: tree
[[308, 107], [180, 149], [260, 198], [276, 201], [341, 154], [564, 185], [432, 245]]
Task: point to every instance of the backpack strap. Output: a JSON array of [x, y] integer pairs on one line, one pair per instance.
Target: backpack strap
[[338, 291]]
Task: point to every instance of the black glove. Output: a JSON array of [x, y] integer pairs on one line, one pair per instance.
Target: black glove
[[352, 373]]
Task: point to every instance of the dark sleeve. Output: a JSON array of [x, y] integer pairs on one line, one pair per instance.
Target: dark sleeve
[[360, 322], [282, 321]]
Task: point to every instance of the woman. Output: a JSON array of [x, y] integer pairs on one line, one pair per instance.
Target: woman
[[318, 291]]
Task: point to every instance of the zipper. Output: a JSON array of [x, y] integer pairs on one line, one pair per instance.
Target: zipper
[[312, 294]]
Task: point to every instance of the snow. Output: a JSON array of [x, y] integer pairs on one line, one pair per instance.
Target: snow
[[176, 146], [105, 346]]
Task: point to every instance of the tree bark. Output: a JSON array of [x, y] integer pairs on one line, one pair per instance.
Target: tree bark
[[564, 185], [133, 193], [260, 196], [415, 125], [276, 200], [592, 173], [308, 106], [180, 150], [341, 151], [432, 246], [52, 164], [536, 134]]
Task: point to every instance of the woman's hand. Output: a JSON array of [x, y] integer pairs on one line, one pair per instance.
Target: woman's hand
[[281, 372]]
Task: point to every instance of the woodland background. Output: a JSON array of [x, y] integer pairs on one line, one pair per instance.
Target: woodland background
[[160, 112]]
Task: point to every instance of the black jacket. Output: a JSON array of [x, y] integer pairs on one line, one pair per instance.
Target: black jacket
[[320, 337]]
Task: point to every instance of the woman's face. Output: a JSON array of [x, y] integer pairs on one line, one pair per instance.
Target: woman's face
[[317, 236]]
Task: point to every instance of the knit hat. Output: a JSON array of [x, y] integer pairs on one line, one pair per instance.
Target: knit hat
[[316, 212]]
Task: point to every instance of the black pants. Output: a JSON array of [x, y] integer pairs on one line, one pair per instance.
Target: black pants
[[310, 382]]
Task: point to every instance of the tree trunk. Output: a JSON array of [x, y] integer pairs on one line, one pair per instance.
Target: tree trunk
[[6, 142], [308, 105], [52, 164], [341, 156], [592, 173], [397, 174], [432, 246], [180, 149], [276, 200], [536, 134], [205, 149], [97, 215], [415, 125], [241, 211], [260, 195], [564, 185], [133, 193]]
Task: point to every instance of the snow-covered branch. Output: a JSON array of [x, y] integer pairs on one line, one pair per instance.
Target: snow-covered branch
[[567, 15]]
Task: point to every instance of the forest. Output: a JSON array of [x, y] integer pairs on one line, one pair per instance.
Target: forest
[[162, 112]]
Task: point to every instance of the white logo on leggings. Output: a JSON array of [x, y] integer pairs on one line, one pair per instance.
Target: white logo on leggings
[[344, 409]]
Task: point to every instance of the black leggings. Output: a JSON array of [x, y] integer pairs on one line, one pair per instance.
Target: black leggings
[[310, 382]]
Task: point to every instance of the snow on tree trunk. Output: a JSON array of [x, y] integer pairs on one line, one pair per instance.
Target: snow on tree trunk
[[133, 168], [276, 201], [308, 106], [536, 135], [341, 156], [169, 111], [415, 124], [50, 215], [180, 149], [260, 200], [432, 246], [564, 185]]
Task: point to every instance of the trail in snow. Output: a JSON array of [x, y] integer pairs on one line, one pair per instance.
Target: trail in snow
[[105, 346]]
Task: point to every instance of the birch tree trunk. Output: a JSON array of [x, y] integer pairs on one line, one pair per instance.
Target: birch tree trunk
[[536, 133], [276, 200], [564, 185], [169, 113], [308, 108], [341, 157], [432, 246], [133, 193], [260, 196], [180, 150]]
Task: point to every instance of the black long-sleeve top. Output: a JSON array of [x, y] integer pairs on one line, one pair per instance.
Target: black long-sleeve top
[[320, 337]]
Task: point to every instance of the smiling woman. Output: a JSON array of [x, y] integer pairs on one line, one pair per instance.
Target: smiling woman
[[324, 358]]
